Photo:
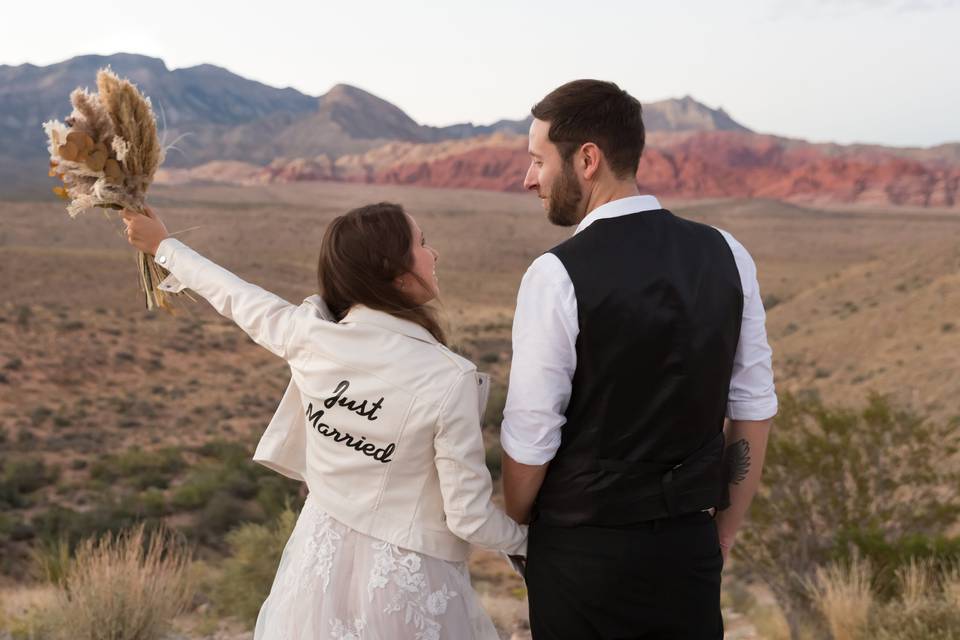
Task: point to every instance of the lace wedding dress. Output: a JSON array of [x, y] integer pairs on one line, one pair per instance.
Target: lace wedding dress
[[335, 583]]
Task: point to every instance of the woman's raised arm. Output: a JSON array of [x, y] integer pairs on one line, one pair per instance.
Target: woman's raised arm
[[267, 318]]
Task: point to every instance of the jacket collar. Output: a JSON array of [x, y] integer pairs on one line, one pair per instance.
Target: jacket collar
[[361, 314], [617, 208]]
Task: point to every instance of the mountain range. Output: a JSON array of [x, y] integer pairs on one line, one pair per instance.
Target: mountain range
[[226, 128]]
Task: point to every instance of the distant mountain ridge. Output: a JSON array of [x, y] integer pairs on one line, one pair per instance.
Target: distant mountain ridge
[[231, 129], [223, 116]]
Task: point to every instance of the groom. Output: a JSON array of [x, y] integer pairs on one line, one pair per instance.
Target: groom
[[633, 341]]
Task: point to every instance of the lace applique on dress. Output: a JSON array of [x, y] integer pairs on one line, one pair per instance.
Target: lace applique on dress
[[342, 631], [413, 596], [321, 547]]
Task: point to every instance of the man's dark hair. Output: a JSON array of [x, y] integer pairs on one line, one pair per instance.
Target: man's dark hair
[[599, 112]]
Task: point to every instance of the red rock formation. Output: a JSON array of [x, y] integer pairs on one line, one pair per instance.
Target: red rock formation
[[680, 164]]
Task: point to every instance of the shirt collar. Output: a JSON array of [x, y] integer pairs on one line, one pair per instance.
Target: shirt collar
[[365, 315], [617, 208]]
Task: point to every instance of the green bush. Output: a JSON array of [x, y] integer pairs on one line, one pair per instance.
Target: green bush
[[21, 477], [889, 556], [152, 503], [110, 515], [276, 494], [223, 513], [877, 481], [231, 472], [248, 572], [144, 469], [203, 483]]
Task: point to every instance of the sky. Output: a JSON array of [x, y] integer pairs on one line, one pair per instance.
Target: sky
[[872, 71]]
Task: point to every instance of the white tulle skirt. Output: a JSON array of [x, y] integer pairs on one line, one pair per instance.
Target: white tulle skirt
[[335, 583]]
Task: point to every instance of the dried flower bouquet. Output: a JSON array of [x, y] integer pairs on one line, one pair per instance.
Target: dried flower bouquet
[[106, 154]]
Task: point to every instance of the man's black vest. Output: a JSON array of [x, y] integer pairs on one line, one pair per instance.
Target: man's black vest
[[659, 305]]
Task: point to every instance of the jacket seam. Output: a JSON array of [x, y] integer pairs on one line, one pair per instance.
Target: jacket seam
[[386, 474], [446, 398]]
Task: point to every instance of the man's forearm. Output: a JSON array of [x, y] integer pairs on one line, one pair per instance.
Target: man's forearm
[[521, 484], [745, 451]]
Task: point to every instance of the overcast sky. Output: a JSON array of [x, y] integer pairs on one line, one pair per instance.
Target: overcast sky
[[883, 71]]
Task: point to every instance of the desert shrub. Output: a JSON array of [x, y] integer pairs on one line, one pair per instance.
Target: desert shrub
[[203, 483], [890, 556], [125, 587], [224, 450], [21, 477], [222, 513], [926, 604], [276, 494], [144, 469], [109, 514], [229, 475], [878, 479], [50, 559], [197, 488], [248, 572], [152, 503]]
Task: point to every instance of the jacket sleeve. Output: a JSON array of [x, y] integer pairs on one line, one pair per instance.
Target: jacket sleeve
[[465, 482], [267, 318]]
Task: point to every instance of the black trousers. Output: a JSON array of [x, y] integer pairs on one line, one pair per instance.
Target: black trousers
[[657, 580]]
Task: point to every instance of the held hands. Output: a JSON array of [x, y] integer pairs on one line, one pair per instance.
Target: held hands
[[144, 231]]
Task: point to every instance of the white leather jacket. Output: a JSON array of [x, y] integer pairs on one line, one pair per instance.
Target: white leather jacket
[[380, 420]]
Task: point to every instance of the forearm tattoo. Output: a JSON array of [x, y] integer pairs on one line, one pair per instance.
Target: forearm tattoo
[[737, 461]]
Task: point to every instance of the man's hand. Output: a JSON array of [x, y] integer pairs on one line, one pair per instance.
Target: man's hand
[[144, 231]]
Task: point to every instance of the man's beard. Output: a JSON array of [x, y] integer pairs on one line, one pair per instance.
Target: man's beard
[[565, 196]]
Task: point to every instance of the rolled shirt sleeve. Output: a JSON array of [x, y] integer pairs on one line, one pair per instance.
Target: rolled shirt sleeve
[[545, 330], [752, 393]]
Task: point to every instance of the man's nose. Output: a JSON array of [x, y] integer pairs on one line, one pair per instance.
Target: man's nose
[[529, 181]]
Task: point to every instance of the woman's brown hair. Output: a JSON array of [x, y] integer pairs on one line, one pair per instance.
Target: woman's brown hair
[[361, 255]]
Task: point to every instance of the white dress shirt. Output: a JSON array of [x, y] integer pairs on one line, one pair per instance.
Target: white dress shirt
[[545, 330]]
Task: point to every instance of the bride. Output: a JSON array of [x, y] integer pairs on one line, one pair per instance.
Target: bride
[[382, 422]]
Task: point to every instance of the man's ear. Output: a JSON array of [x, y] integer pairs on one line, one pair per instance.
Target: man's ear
[[590, 158]]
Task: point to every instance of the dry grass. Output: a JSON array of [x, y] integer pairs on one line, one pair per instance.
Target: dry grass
[[927, 606], [951, 586], [917, 580], [128, 587], [844, 597], [51, 559]]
